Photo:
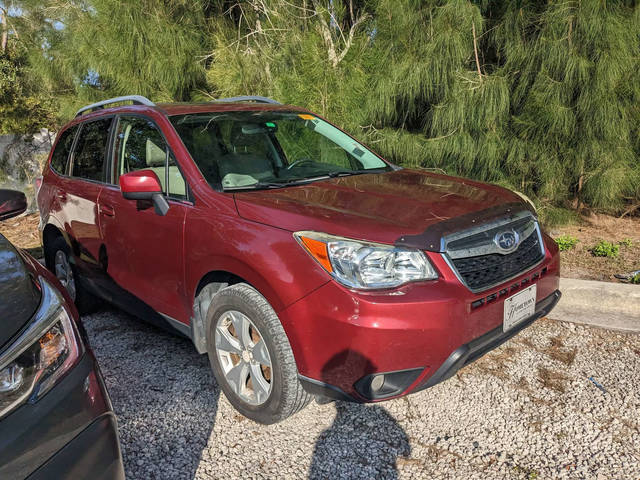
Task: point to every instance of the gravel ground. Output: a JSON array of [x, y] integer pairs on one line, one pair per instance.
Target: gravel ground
[[527, 410]]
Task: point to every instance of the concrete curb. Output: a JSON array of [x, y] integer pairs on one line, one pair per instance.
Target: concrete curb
[[615, 306]]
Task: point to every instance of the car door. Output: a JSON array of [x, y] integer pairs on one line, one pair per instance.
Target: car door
[[78, 193], [144, 250]]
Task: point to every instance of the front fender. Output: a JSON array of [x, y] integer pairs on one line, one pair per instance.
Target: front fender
[[267, 258]]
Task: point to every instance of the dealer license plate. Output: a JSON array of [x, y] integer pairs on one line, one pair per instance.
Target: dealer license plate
[[518, 307]]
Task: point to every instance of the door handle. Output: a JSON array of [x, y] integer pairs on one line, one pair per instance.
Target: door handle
[[107, 211]]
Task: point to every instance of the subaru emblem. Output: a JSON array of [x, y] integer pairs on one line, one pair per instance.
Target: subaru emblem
[[507, 241]]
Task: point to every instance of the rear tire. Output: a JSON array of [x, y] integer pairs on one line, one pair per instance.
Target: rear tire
[[251, 357], [58, 260]]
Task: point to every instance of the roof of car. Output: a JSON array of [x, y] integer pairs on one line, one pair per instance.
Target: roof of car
[[175, 108], [251, 102], [181, 108]]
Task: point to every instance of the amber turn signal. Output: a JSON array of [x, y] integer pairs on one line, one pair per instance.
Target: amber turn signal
[[318, 250]]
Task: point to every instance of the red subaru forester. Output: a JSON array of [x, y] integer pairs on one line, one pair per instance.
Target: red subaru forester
[[298, 259]]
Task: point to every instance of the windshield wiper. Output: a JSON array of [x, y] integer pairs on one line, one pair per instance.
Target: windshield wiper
[[269, 185], [349, 173], [302, 181]]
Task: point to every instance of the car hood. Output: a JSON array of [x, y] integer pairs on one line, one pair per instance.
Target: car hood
[[383, 207], [19, 296]]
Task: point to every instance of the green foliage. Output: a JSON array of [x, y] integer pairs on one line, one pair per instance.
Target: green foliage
[[627, 242], [636, 279], [539, 97], [566, 242], [551, 216], [23, 108], [549, 109], [605, 249], [83, 51]]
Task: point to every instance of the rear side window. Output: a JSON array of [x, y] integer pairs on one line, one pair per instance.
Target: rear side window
[[63, 148], [91, 149], [140, 145]]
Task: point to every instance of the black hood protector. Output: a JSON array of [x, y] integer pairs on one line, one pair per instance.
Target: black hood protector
[[431, 238]]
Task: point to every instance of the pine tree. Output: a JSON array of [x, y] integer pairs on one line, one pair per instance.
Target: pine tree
[[542, 97], [24, 105], [91, 50]]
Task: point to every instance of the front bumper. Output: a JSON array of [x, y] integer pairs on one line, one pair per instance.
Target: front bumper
[[422, 332], [69, 433], [473, 350]]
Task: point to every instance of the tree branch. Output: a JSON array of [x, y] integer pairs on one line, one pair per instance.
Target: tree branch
[[475, 49], [334, 57], [5, 30]]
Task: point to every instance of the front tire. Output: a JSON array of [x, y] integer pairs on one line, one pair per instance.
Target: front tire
[[251, 357]]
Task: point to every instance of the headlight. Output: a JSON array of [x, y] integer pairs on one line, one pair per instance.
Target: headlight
[[41, 355], [366, 265]]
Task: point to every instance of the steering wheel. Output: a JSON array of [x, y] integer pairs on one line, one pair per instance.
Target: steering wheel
[[300, 161]]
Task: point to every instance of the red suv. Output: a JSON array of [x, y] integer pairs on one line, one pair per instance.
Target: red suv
[[298, 259]]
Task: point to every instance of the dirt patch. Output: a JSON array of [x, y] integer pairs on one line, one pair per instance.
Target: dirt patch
[[559, 353], [580, 263], [22, 231], [496, 363], [552, 379]]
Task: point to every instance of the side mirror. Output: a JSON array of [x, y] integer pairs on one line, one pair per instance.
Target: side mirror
[[12, 203], [144, 185]]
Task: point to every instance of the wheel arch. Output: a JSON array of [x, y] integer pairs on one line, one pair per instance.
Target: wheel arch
[[50, 233], [219, 278]]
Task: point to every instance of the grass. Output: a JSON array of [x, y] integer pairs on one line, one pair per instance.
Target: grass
[[552, 217]]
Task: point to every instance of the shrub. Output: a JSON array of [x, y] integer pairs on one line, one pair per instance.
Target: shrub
[[605, 249], [627, 242], [636, 279], [566, 242]]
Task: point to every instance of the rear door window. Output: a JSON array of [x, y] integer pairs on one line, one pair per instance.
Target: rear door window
[[61, 153], [91, 149], [139, 145]]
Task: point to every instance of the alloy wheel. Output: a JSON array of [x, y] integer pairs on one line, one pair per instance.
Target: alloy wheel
[[243, 357], [64, 273]]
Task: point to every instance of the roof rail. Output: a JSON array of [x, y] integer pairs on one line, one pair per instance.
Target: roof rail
[[249, 98], [135, 99]]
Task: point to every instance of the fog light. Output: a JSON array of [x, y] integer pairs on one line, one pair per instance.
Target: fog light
[[377, 382], [383, 385]]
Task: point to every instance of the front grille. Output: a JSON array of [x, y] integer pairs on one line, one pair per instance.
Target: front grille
[[484, 271]]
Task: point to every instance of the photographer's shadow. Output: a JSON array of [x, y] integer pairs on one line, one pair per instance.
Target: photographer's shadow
[[364, 441]]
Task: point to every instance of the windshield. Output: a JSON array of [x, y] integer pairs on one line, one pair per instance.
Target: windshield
[[245, 150]]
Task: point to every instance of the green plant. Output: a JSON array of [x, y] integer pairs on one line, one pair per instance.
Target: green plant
[[627, 242], [605, 249], [636, 279], [566, 242]]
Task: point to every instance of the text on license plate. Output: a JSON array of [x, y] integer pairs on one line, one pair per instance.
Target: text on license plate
[[518, 307]]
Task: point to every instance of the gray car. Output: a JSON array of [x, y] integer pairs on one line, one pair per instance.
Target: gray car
[[56, 419]]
